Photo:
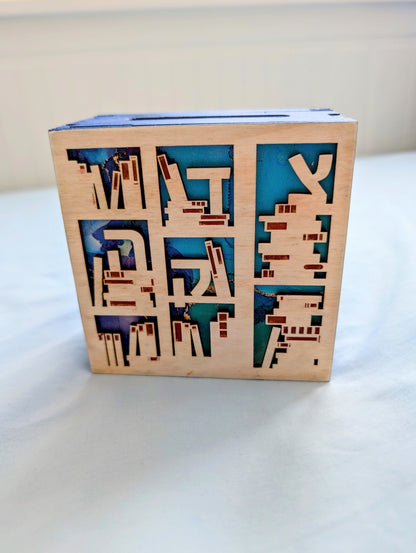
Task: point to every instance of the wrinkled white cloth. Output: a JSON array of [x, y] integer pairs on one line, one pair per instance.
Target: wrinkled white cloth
[[154, 464]]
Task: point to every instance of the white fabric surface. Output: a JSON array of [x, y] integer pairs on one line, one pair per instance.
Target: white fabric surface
[[93, 463]]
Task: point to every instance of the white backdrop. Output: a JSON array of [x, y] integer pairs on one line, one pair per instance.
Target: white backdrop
[[123, 464], [103, 57]]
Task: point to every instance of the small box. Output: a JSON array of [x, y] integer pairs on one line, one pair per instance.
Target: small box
[[208, 244]]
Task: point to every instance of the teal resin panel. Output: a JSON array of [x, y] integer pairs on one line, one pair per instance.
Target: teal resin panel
[[196, 189], [264, 303], [194, 248], [202, 314]]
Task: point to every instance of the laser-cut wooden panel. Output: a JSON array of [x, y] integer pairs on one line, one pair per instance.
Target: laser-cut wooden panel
[[208, 245]]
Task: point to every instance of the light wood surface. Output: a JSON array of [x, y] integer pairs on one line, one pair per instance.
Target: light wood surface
[[158, 341]]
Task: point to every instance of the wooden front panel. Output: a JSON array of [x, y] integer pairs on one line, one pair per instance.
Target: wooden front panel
[[208, 250]]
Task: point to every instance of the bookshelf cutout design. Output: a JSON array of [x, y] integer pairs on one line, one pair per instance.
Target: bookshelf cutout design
[[180, 269]]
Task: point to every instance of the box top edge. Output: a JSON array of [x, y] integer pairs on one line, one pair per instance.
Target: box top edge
[[324, 115]]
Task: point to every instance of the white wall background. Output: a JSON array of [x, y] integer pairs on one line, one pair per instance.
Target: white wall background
[[60, 65]]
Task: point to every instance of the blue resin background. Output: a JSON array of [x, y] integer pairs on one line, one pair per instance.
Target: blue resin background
[[94, 243], [121, 324], [108, 161]]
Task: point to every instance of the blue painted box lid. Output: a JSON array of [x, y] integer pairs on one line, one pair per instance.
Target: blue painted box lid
[[324, 115]]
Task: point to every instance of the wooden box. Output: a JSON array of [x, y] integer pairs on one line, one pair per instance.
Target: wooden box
[[208, 244]]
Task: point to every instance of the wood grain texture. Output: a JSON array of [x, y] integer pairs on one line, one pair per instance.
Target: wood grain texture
[[136, 280]]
